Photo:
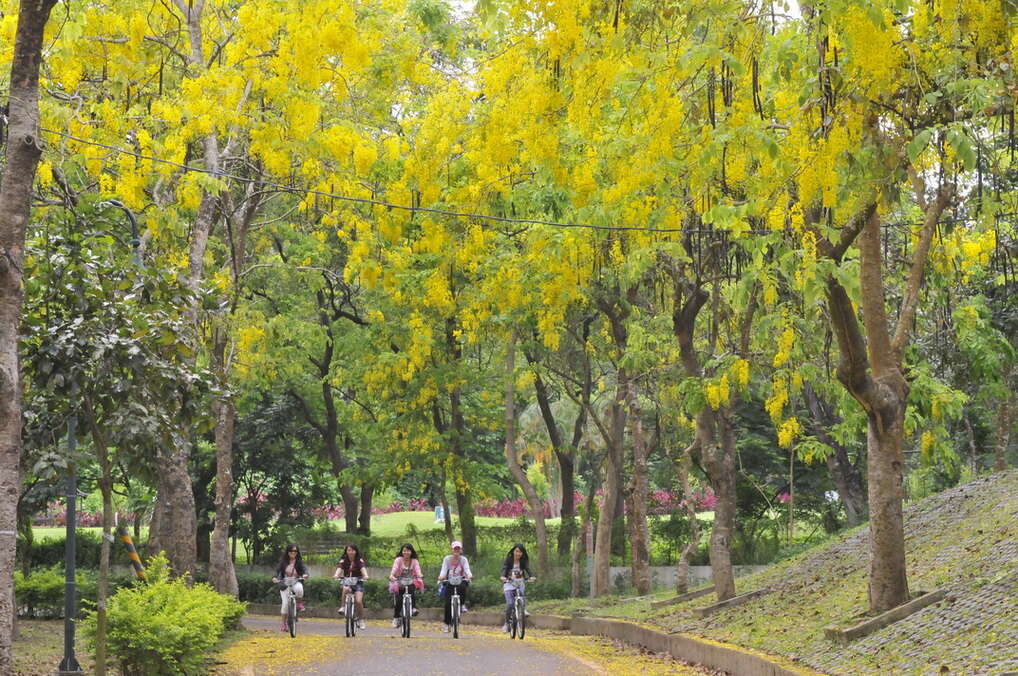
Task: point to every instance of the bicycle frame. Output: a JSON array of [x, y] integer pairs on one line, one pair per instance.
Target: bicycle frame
[[408, 605], [454, 604], [291, 605], [349, 606]]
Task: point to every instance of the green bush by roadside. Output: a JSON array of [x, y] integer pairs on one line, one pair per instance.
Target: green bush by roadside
[[50, 552], [41, 594], [164, 628]]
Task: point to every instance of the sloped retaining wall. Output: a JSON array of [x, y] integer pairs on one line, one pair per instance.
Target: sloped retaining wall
[[685, 648]]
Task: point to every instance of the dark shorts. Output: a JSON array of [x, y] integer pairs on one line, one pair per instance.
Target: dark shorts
[[359, 587]]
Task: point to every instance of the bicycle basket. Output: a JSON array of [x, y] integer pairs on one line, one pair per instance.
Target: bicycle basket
[[350, 581], [406, 582], [455, 580]]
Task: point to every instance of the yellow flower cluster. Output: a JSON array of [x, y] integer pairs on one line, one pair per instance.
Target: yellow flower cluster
[[776, 402], [785, 344], [717, 392], [875, 56], [739, 371], [789, 432]]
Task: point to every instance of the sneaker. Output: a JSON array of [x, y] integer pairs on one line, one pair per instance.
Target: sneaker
[[300, 606], [464, 609], [445, 628], [283, 627], [395, 622], [361, 624], [527, 613], [342, 610], [414, 613], [505, 627]]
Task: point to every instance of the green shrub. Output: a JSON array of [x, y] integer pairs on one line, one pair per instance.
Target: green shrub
[[164, 627], [41, 594], [50, 552]]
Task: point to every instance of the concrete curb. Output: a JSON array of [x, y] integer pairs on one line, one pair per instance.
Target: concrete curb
[[685, 648], [681, 647]]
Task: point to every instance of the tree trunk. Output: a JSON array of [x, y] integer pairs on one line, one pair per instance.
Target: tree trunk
[[350, 506], [178, 527], [222, 574], [689, 503], [719, 461], [23, 150], [846, 476], [443, 496], [464, 494], [715, 438], [639, 535], [605, 521], [536, 506], [367, 494], [1005, 421]]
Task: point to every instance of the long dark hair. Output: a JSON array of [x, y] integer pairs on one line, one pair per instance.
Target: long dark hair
[[285, 561], [356, 562], [524, 560], [413, 552]]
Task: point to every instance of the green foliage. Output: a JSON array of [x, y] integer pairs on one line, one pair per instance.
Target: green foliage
[[50, 552], [164, 627], [41, 594]]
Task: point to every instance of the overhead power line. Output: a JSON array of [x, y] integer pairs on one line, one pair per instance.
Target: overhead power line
[[428, 210]]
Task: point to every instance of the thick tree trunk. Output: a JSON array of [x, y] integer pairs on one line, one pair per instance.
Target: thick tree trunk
[[536, 506], [719, 461], [367, 494], [689, 503], [888, 586], [23, 150], [639, 534], [178, 524], [222, 574], [350, 507]]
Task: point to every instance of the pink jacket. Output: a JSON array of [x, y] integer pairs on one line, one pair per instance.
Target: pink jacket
[[415, 572]]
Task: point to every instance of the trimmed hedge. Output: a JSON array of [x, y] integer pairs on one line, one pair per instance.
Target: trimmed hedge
[[41, 594], [50, 552]]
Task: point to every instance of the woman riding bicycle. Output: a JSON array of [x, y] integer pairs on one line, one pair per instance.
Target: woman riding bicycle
[[455, 567], [352, 565], [515, 574], [404, 566], [291, 566]]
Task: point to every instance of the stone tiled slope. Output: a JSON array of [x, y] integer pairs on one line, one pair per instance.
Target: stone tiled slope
[[964, 539]]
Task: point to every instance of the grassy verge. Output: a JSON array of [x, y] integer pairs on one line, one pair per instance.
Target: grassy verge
[[963, 539], [39, 648]]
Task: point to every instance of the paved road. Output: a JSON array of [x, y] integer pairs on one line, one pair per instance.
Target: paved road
[[381, 650]]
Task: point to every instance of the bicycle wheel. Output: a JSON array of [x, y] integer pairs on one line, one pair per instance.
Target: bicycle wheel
[[522, 629], [518, 617], [291, 617], [408, 607], [351, 621], [455, 612]]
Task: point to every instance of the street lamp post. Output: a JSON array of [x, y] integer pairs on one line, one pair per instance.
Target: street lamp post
[[69, 666]]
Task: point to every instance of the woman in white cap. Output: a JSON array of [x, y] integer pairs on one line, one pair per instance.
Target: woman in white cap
[[456, 566]]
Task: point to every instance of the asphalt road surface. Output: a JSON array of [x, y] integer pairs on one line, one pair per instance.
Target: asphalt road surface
[[381, 650]]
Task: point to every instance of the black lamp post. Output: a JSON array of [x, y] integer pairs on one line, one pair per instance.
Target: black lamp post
[[69, 666]]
